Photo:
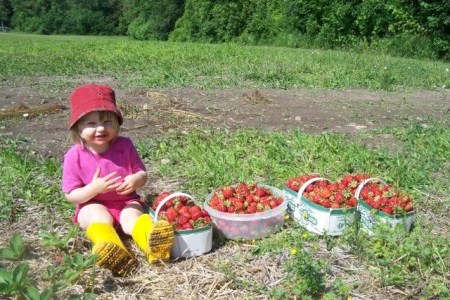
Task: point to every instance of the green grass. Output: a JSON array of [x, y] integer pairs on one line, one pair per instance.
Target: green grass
[[203, 160], [166, 64], [26, 178]]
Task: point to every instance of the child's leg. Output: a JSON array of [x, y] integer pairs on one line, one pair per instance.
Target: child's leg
[[112, 254], [155, 240]]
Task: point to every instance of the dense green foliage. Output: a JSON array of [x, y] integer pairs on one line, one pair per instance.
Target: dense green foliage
[[398, 26], [418, 28], [154, 19]]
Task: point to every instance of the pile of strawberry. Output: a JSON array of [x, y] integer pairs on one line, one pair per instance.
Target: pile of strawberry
[[244, 198], [182, 212], [386, 198], [295, 183], [340, 194]]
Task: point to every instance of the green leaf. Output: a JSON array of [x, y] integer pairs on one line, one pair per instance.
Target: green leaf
[[17, 244], [5, 276], [32, 293], [47, 294], [59, 286], [20, 273], [8, 253], [6, 288], [89, 296]]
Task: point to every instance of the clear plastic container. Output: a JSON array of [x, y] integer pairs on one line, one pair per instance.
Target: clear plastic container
[[248, 226]]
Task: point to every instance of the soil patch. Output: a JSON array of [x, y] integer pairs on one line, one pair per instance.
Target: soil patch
[[42, 117]]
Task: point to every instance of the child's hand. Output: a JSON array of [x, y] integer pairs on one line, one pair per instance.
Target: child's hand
[[128, 185], [105, 184], [131, 183]]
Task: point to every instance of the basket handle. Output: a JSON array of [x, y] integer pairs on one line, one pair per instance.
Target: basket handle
[[364, 182], [305, 185], [167, 198]]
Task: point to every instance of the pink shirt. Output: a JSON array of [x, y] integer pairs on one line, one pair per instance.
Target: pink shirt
[[80, 165]]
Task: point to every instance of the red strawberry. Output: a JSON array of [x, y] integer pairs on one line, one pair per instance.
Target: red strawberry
[[159, 198], [325, 193], [187, 226], [184, 209], [335, 205], [195, 208], [195, 215], [339, 197], [171, 214], [388, 210], [227, 192], [260, 192], [231, 209], [326, 203], [251, 209], [182, 220], [409, 207]]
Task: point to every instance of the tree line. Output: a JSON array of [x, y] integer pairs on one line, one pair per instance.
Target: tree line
[[412, 28]]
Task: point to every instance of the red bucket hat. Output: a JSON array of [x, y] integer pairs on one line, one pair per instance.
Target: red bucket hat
[[92, 97]]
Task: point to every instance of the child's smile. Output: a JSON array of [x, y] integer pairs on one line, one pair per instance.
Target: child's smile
[[97, 133]]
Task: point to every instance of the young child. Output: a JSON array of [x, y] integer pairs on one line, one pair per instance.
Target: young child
[[101, 174]]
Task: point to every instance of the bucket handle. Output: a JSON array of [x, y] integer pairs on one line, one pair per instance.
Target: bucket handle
[[167, 198], [364, 182], [305, 185]]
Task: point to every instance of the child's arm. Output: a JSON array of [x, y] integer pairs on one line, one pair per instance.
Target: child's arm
[[132, 182], [97, 185]]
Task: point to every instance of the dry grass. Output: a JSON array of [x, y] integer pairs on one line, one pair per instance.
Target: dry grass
[[230, 271]]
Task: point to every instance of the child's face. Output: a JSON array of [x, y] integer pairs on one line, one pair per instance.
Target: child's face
[[98, 130]]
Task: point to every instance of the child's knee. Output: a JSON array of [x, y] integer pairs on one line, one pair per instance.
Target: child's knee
[[94, 213]]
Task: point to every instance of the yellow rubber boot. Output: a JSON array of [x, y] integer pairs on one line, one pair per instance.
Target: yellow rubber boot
[[111, 252], [155, 240]]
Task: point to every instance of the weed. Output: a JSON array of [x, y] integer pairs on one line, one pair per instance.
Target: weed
[[54, 239], [16, 280], [16, 248]]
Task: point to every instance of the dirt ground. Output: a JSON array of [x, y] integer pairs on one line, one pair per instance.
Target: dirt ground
[[40, 115]]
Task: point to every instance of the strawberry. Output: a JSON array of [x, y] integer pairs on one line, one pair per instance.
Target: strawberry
[[159, 198], [260, 192], [195, 215], [195, 208], [187, 225], [326, 203], [409, 207], [227, 192], [325, 193], [184, 209], [171, 214], [388, 210], [183, 220], [251, 209]]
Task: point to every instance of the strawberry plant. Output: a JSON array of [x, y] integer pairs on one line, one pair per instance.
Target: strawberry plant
[[16, 248]]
